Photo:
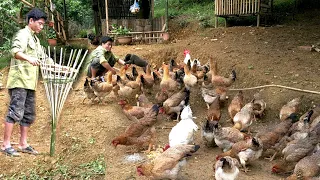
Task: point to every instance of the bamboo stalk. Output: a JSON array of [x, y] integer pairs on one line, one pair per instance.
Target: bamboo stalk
[[279, 86], [27, 3]]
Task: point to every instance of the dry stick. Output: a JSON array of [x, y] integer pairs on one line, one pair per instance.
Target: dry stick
[[275, 85]]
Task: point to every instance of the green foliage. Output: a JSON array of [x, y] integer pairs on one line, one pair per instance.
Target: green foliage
[[82, 33], [8, 11], [79, 11], [4, 60], [51, 33], [6, 46], [120, 30]]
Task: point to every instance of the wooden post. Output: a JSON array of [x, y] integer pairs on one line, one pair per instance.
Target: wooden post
[[65, 30], [152, 9], [258, 16], [107, 17], [216, 14], [167, 14]]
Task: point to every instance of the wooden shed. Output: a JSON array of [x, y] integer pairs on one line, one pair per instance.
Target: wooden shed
[[228, 8], [144, 27]]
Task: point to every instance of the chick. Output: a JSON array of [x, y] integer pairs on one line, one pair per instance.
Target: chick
[[236, 104], [246, 150], [243, 119], [226, 168], [289, 108], [259, 105]]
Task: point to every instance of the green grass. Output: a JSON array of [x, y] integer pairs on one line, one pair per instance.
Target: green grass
[[190, 8], [90, 170]]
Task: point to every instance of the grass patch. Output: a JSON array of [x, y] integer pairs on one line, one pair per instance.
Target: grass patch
[[194, 10], [91, 170]]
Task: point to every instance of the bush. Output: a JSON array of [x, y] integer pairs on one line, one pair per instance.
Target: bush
[[73, 28], [82, 33], [4, 60]]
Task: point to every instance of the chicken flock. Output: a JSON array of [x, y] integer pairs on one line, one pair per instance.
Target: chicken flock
[[294, 139]]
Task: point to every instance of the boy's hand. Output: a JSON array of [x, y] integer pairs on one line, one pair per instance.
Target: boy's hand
[[34, 61]]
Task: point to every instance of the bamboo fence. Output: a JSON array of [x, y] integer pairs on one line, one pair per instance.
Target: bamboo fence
[[58, 79]]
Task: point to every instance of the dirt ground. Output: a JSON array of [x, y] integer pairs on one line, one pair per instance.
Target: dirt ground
[[260, 56]]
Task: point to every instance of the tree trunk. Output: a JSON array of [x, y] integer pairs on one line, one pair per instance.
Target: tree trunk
[[96, 15]]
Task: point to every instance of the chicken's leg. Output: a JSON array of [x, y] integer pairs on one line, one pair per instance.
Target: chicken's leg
[[178, 115], [243, 163], [208, 106], [245, 169], [272, 157], [149, 149]]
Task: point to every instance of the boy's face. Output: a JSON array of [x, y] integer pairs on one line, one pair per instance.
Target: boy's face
[[107, 45], [37, 25]]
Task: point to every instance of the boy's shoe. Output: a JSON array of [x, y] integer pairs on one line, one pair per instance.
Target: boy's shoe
[[10, 152], [28, 150]]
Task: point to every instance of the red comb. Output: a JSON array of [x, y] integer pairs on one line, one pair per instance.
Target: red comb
[[167, 146], [126, 67], [186, 52]]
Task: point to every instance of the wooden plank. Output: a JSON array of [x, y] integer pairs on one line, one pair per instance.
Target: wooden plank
[[221, 7], [107, 17], [226, 7], [215, 7], [252, 6], [247, 6]]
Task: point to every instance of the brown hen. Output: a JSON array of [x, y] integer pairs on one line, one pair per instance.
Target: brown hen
[[141, 132], [168, 164]]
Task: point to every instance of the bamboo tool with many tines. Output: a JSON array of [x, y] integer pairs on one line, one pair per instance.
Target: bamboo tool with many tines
[[58, 79]]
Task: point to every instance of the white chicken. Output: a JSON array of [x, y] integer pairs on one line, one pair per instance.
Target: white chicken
[[187, 56], [226, 168], [183, 132]]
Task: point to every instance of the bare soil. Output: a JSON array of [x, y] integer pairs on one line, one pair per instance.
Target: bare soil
[[260, 56]]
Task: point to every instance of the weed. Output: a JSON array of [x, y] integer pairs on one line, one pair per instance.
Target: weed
[[96, 167], [88, 170], [92, 140]]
